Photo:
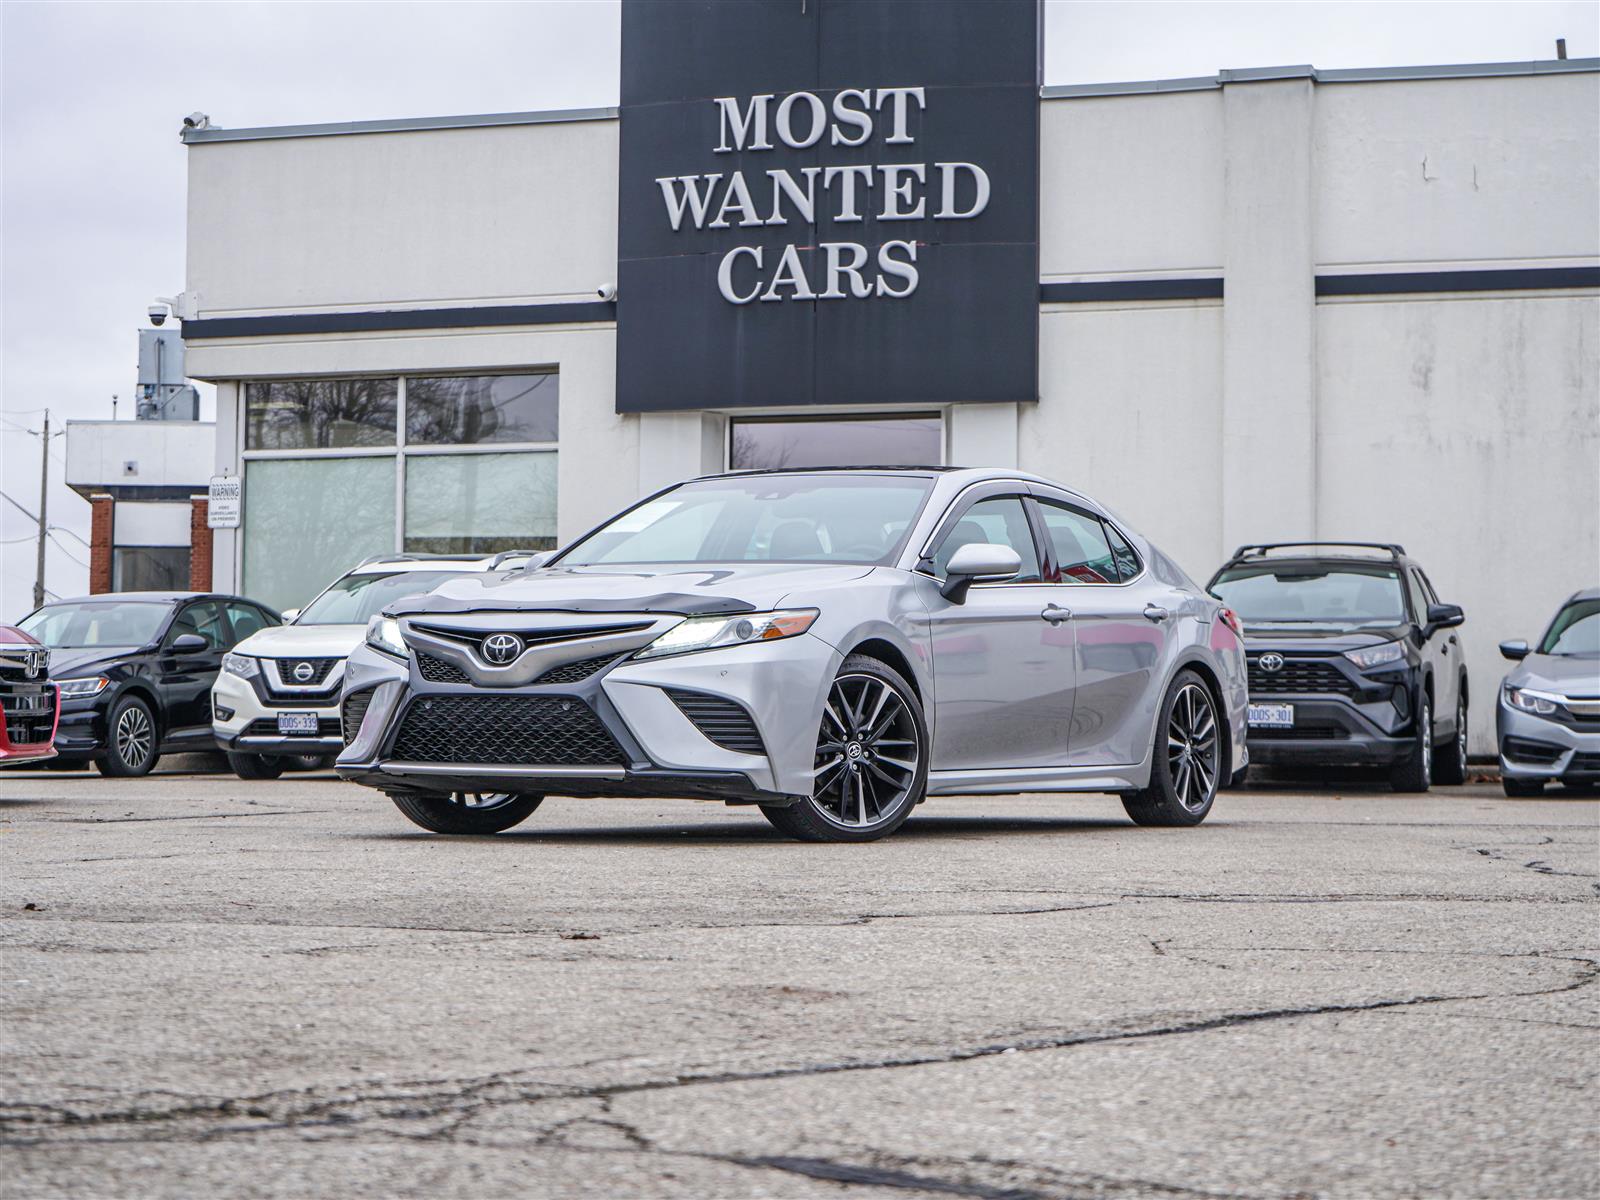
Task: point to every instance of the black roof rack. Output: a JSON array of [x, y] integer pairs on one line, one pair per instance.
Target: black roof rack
[[1259, 549]]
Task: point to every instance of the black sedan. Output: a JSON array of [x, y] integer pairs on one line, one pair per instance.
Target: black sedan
[[135, 671]]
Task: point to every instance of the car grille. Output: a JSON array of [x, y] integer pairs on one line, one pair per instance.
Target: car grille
[[30, 714], [319, 670], [1584, 764], [436, 670], [327, 727], [1309, 733], [355, 708], [573, 672], [723, 721], [507, 730], [1298, 677], [1529, 751]]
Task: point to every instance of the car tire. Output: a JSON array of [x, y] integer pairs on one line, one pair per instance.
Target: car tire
[[1521, 788], [255, 766], [1415, 774], [1186, 758], [872, 754], [485, 812], [1450, 760], [131, 740]]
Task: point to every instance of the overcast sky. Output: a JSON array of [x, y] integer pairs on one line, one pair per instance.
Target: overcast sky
[[92, 173]]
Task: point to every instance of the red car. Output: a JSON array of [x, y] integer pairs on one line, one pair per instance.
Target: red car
[[28, 700]]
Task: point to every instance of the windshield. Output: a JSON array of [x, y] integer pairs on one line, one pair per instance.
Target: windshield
[[763, 518], [1575, 631], [1342, 597], [356, 599], [97, 623]]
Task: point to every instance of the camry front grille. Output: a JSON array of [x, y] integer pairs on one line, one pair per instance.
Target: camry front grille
[[436, 670], [1299, 676], [573, 672], [554, 731]]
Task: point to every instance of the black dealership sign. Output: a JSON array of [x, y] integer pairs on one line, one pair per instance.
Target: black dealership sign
[[828, 202]]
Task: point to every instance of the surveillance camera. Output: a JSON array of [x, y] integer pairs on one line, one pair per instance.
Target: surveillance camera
[[158, 313], [608, 292], [196, 120]]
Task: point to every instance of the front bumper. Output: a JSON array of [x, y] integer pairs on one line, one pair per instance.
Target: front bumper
[[29, 715], [1332, 731], [1545, 750], [661, 750], [244, 722]]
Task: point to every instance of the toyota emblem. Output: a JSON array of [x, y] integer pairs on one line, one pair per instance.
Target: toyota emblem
[[501, 648], [303, 671], [1271, 662]]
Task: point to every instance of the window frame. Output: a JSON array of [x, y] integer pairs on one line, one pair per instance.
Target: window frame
[[835, 418], [1052, 572], [989, 489], [225, 624], [1067, 500]]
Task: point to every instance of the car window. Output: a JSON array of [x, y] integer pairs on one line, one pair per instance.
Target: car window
[[1000, 521], [1419, 601], [246, 619], [1127, 557], [1575, 631], [1083, 555], [203, 618], [1428, 588], [1309, 595]]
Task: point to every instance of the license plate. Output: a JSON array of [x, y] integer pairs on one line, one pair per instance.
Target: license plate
[[1270, 716], [297, 723]]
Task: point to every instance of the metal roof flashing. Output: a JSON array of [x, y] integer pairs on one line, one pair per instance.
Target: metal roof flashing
[[211, 133]]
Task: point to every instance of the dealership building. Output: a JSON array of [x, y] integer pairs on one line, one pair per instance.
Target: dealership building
[[1265, 305]]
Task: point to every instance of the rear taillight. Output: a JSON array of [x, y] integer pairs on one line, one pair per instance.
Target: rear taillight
[[1231, 620]]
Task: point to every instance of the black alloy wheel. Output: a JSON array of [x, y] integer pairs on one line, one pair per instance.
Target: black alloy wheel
[[466, 812], [131, 744], [1186, 759], [871, 766], [1450, 759]]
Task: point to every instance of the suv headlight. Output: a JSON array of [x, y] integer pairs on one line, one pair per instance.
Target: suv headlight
[[241, 665], [72, 689], [383, 633], [1377, 656], [1532, 702], [715, 633]]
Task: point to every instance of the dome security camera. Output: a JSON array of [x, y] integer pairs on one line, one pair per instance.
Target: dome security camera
[[158, 313], [608, 292]]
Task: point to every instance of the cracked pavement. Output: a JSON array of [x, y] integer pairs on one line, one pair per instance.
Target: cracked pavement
[[1333, 992]]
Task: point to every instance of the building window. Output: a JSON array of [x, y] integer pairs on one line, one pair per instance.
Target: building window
[[318, 414], [480, 503], [482, 408], [337, 470], [877, 441], [150, 569]]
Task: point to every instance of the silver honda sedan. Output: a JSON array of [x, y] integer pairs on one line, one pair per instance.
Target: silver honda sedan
[[831, 645]]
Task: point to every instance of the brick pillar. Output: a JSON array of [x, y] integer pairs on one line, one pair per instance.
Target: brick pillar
[[102, 510], [199, 545]]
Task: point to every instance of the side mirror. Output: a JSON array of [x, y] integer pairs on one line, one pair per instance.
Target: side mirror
[[1515, 650], [188, 643], [1445, 616], [978, 562], [290, 615]]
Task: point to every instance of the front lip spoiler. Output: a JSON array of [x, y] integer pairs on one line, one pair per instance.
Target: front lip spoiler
[[292, 744], [398, 767]]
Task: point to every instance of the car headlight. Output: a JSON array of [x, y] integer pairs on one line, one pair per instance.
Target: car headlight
[[241, 665], [74, 688], [1532, 702], [714, 633], [383, 633], [1376, 656]]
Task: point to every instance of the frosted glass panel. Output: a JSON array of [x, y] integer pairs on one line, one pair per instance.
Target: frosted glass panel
[[480, 503], [309, 520]]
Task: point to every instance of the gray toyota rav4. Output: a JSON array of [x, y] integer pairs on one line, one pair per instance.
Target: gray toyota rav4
[[830, 645]]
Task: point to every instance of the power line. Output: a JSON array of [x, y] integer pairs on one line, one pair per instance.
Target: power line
[[65, 551]]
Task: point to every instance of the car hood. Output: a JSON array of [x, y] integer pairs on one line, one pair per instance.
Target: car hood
[[1565, 674], [302, 641], [1317, 639], [70, 662], [10, 635], [732, 588]]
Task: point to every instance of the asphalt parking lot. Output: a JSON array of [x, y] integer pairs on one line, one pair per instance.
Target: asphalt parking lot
[[212, 987]]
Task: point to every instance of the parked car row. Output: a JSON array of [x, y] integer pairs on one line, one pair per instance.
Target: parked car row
[[946, 625]]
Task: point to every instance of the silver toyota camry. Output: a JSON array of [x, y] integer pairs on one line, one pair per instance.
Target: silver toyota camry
[[833, 646]]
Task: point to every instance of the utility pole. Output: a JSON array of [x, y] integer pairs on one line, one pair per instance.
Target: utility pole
[[44, 499]]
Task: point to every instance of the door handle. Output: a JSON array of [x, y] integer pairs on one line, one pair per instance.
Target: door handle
[[1154, 612], [1055, 614]]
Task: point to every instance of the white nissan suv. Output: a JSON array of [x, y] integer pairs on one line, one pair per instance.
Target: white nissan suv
[[276, 699]]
